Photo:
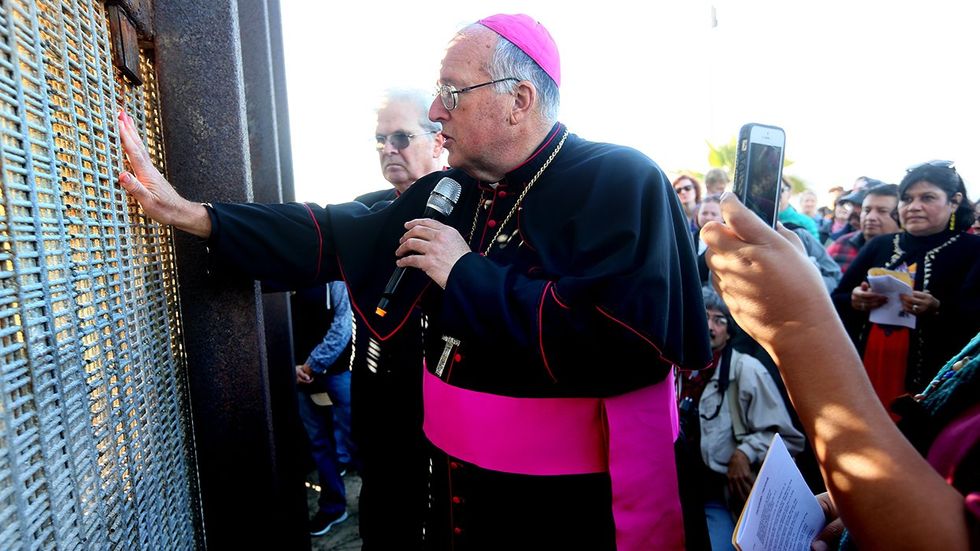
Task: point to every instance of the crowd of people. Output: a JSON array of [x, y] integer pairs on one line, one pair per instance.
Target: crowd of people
[[549, 376], [920, 229]]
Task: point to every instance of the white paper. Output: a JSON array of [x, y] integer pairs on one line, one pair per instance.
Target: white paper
[[781, 513], [891, 313]]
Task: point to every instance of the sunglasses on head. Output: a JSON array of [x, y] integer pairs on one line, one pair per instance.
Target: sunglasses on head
[[937, 163], [399, 140]]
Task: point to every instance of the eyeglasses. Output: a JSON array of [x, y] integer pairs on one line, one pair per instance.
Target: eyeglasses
[[450, 95], [937, 163], [399, 140], [683, 189], [718, 320]]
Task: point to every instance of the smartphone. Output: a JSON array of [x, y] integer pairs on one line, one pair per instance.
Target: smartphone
[[759, 169]]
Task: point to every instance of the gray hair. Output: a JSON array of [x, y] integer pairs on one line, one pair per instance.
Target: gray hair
[[510, 61], [716, 176], [712, 301], [419, 99]]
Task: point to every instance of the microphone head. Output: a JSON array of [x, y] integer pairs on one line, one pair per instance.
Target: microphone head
[[443, 198]]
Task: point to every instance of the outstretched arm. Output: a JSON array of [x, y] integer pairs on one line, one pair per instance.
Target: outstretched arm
[[160, 201], [886, 493]]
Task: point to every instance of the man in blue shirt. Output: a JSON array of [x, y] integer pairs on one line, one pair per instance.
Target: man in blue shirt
[[322, 334]]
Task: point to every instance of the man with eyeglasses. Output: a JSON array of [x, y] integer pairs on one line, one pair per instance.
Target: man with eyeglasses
[[729, 412], [557, 299], [386, 386], [409, 144]]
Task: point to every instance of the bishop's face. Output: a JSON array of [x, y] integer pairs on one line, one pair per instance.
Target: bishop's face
[[475, 129]]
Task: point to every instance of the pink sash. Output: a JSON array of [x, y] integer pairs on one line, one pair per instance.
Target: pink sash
[[631, 436]]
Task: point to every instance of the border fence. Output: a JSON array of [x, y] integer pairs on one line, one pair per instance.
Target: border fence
[[96, 443]]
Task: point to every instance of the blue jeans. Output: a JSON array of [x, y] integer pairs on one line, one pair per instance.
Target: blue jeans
[[338, 387], [318, 422], [720, 525]]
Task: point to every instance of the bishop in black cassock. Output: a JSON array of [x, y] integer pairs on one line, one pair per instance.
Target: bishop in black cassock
[[549, 346], [589, 291]]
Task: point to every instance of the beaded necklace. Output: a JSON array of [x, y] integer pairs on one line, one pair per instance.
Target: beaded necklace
[[952, 392], [950, 371], [500, 227], [927, 260]]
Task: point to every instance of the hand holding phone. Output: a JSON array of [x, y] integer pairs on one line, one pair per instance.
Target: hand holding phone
[[759, 169]]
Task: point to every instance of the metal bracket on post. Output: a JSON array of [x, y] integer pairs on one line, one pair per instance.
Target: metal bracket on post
[[129, 20]]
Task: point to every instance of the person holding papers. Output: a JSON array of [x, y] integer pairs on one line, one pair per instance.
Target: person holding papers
[[889, 492], [729, 414], [905, 337]]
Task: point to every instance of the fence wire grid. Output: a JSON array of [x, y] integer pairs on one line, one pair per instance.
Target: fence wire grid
[[96, 449]]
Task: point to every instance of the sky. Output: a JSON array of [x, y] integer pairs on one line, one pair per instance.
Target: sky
[[860, 87]]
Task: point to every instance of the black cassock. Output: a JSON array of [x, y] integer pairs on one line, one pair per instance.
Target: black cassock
[[588, 291]]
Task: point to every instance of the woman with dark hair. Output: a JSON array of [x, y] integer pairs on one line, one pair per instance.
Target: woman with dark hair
[[943, 261], [688, 191]]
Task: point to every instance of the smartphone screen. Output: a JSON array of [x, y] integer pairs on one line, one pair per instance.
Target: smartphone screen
[[757, 178]]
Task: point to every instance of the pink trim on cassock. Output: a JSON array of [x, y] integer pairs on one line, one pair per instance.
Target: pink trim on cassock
[[554, 295], [319, 235], [630, 436], [645, 338], [544, 356], [365, 318], [544, 146]]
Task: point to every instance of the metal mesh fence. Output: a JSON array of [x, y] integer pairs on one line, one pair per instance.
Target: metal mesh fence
[[95, 442]]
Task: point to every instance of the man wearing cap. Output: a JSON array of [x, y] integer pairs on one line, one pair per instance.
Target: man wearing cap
[[879, 215], [557, 300]]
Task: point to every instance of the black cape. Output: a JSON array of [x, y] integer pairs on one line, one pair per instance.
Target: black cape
[[589, 289], [596, 294]]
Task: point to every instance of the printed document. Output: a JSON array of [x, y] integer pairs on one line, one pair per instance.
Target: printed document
[[781, 513], [891, 313]]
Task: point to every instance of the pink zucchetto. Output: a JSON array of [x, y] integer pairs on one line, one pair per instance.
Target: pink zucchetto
[[531, 37]]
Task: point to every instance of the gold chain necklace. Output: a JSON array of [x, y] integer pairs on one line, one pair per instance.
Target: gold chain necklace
[[476, 216], [500, 228]]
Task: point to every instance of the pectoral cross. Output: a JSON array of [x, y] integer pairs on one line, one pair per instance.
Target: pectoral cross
[[450, 343]]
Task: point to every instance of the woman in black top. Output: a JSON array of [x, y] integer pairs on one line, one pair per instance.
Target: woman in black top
[[934, 245]]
